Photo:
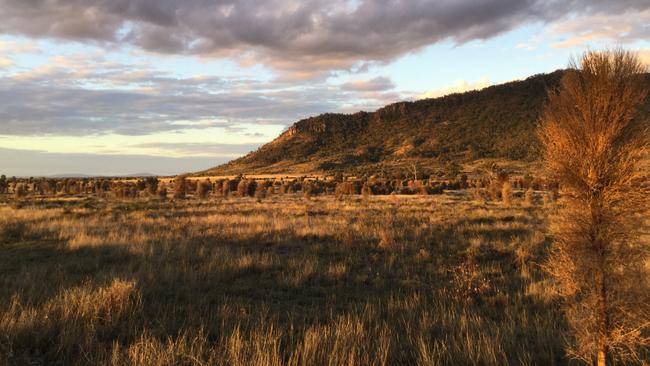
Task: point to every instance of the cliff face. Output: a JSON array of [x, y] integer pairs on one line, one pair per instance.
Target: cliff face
[[496, 122]]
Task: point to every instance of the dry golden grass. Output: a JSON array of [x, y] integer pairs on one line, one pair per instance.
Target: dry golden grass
[[383, 280]]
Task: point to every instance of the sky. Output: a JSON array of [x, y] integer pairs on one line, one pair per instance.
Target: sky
[[109, 87]]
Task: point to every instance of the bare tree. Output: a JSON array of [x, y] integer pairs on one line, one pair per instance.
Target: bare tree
[[593, 141]]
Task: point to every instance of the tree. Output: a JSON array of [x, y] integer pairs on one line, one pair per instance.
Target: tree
[[162, 191], [506, 193], [3, 184], [151, 184], [180, 186], [593, 141]]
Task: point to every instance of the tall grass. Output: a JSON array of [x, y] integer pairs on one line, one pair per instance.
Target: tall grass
[[375, 281]]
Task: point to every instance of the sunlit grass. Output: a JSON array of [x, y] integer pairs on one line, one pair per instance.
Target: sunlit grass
[[359, 281]]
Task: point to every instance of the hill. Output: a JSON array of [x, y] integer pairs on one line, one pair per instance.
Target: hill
[[440, 135]]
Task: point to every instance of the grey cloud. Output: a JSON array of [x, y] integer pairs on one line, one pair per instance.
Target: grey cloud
[[304, 38], [35, 108], [127, 100]]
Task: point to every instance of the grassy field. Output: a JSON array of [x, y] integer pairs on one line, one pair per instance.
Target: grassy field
[[390, 280]]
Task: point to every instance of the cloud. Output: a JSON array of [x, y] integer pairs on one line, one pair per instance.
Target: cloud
[[625, 27], [79, 95], [6, 62], [458, 87], [8, 47], [376, 84], [301, 39]]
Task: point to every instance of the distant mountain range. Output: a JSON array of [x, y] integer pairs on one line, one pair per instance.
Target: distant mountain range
[[497, 123]]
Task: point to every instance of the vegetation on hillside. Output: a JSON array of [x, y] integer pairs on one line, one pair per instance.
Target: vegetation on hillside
[[496, 122]]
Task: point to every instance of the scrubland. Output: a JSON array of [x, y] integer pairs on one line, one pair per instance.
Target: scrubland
[[285, 280]]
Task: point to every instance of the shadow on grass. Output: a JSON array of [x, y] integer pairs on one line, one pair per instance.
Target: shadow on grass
[[217, 283]]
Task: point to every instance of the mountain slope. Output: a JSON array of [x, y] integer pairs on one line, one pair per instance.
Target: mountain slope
[[495, 122]]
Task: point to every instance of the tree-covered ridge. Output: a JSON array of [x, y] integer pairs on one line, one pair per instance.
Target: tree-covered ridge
[[495, 122]]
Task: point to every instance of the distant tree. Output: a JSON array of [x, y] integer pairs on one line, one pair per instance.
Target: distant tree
[[151, 184], [260, 192], [494, 190], [3, 184], [506, 193], [307, 189], [20, 190], [242, 188], [463, 182], [251, 187], [529, 197], [203, 189], [366, 190], [225, 188], [180, 186], [141, 184], [593, 141], [217, 187], [162, 191]]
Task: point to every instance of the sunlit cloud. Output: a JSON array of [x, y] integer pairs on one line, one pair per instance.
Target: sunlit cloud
[[618, 28], [458, 87], [6, 62]]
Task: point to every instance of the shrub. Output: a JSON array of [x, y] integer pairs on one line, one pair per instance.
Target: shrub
[[260, 192], [506, 193], [251, 188], [20, 190], [225, 188], [162, 192], [529, 197], [217, 187], [494, 190], [365, 190], [151, 184], [242, 188], [180, 186], [203, 189]]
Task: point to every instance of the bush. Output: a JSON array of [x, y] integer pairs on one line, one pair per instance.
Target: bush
[[225, 188], [529, 197], [242, 187], [365, 190], [180, 187], [506, 193], [203, 189], [20, 190], [151, 184], [162, 192], [260, 192]]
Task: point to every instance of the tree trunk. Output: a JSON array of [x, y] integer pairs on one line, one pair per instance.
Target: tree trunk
[[602, 356]]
